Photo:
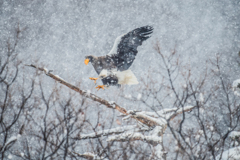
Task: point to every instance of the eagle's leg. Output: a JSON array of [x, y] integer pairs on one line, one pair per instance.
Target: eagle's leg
[[100, 87], [95, 79]]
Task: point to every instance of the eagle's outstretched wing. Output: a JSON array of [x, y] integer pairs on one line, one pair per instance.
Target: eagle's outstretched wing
[[125, 47]]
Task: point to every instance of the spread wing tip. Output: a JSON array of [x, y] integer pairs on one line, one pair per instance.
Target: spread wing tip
[[149, 27], [146, 28], [145, 31]]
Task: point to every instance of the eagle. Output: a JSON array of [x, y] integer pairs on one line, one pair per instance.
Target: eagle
[[113, 68]]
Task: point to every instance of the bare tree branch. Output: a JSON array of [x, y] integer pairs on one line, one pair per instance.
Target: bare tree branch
[[139, 117]]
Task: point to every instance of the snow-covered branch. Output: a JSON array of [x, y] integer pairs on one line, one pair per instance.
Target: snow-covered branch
[[133, 136], [169, 113], [236, 87], [234, 135], [89, 155], [118, 130], [158, 120], [231, 154], [151, 120], [10, 142]]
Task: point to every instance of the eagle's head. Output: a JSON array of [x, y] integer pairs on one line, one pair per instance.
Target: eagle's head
[[88, 59]]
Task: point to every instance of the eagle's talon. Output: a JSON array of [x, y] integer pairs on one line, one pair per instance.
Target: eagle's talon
[[95, 79], [100, 87]]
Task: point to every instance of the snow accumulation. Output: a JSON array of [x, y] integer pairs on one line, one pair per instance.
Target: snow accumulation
[[134, 136], [128, 96], [139, 96], [92, 155], [88, 92], [59, 77], [126, 118], [201, 97], [156, 130], [46, 70], [22, 154], [159, 121], [13, 138], [185, 86], [159, 117], [9, 156], [231, 154], [197, 137], [167, 113], [112, 103], [10, 140], [236, 87], [201, 110], [110, 131], [234, 134]]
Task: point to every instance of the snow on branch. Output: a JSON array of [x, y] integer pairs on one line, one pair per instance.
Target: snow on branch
[[133, 136], [117, 130], [231, 154], [234, 135], [89, 155], [169, 113], [159, 118], [236, 87], [150, 120], [10, 142]]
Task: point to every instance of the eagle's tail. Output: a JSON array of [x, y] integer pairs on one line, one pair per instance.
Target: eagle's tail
[[126, 77]]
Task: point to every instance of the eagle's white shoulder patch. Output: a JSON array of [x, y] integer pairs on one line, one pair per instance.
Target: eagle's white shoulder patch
[[115, 46], [103, 74]]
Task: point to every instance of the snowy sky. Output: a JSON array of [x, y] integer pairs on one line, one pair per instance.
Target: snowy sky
[[59, 34]]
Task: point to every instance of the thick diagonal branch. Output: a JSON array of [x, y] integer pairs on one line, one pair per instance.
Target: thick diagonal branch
[[108, 104]]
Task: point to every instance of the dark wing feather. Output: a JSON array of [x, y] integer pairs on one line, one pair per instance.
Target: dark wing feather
[[127, 47]]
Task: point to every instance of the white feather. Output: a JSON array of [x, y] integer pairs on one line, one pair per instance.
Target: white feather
[[104, 73], [126, 77], [115, 46]]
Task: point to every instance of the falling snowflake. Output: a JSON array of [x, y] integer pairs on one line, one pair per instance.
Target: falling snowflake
[[139, 96]]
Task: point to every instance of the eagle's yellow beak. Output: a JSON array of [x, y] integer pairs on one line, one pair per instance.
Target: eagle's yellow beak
[[86, 61]]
